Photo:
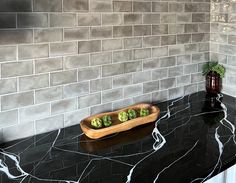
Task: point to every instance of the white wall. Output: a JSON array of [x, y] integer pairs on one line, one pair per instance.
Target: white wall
[[228, 176]]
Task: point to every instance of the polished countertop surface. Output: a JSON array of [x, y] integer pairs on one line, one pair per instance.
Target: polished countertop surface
[[193, 140]]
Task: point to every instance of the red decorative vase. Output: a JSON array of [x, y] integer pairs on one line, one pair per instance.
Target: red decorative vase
[[213, 83]]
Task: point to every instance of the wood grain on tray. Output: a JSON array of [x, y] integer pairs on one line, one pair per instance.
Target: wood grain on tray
[[118, 126]]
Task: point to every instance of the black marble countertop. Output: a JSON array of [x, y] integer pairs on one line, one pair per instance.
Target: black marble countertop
[[193, 140]]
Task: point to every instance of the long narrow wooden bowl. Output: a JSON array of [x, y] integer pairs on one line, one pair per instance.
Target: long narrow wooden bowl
[[118, 126]]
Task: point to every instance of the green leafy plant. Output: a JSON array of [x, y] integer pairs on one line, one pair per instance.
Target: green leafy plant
[[214, 67]]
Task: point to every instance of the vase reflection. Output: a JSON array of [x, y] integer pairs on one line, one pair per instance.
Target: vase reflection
[[211, 104]]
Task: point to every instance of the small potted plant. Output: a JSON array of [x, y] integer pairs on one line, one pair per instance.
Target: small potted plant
[[214, 73]]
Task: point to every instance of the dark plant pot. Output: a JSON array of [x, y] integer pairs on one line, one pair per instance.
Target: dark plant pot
[[213, 83]]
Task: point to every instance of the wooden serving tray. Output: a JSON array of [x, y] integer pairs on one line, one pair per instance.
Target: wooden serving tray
[[118, 126]]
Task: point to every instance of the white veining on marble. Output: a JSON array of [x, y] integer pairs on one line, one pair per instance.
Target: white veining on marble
[[190, 117], [232, 129], [223, 150], [36, 166], [34, 143], [87, 174], [17, 143], [159, 142], [132, 169], [96, 156], [221, 147], [95, 159], [157, 136], [90, 140], [16, 160], [185, 154], [5, 169], [78, 136], [217, 137]]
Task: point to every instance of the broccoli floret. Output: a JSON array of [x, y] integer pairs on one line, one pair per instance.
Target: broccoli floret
[[132, 114], [96, 123], [144, 112], [123, 116], [106, 120]]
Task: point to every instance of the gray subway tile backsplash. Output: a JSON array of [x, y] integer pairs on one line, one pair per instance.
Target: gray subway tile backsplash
[[33, 82], [8, 86], [62, 106], [35, 112], [48, 65], [32, 20], [9, 118], [16, 36], [17, 100], [122, 6], [49, 124], [75, 5], [61, 61], [7, 53], [11, 20], [222, 47], [75, 89], [47, 5], [89, 100], [63, 77], [33, 51], [48, 94], [111, 95]]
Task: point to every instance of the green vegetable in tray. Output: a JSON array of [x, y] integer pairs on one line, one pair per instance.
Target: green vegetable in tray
[[132, 114], [96, 123], [123, 116], [144, 112], [106, 120], [107, 123]]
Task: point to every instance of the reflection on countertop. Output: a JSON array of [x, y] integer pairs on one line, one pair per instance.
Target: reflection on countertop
[[193, 140]]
